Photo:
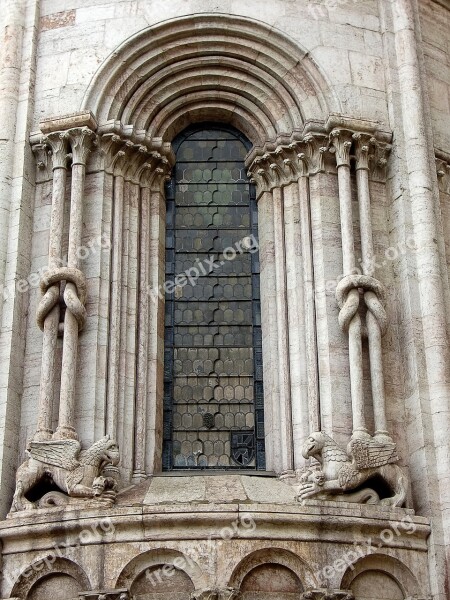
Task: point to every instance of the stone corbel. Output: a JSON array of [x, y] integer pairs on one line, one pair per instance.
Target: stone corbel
[[443, 174], [42, 154]]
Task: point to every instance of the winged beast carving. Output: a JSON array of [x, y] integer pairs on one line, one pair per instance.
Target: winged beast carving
[[341, 472], [77, 472]]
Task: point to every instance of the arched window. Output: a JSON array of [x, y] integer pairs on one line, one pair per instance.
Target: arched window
[[213, 388]]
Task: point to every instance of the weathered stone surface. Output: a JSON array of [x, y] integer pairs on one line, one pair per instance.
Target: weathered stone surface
[[318, 88]]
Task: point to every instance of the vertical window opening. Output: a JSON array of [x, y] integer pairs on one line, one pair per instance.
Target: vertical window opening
[[213, 372]]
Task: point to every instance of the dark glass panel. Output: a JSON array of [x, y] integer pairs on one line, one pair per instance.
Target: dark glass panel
[[213, 392]]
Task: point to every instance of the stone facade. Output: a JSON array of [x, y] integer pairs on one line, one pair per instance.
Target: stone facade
[[347, 107]]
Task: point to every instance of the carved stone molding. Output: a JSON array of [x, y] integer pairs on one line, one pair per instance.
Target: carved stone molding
[[138, 163], [323, 594], [285, 163], [210, 594], [318, 149], [121, 594]]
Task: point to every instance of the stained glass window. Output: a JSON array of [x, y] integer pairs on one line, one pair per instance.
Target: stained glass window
[[213, 387]]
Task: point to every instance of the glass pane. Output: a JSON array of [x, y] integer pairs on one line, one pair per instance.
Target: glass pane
[[213, 392]]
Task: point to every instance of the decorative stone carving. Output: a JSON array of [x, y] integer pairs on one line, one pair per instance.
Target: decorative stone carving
[[135, 157], [78, 473], [343, 471], [121, 594], [322, 594], [443, 174], [224, 594], [280, 164], [374, 297]]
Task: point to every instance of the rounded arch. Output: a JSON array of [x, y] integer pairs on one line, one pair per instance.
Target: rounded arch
[[43, 569], [387, 565], [210, 67], [273, 556], [156, 558]]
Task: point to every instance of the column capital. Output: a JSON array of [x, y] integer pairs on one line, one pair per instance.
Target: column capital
[[277, 165], [82, 140], [341, 141], [139, 163], [58, 144], [364, 143]]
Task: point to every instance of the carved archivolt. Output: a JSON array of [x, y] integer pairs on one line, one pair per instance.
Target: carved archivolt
[[211, 67]]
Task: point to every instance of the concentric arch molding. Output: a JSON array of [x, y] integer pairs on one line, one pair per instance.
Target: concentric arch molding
[[210, 67]]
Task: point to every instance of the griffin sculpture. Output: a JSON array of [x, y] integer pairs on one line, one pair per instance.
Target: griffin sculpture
[[341, 472], [76, 472]]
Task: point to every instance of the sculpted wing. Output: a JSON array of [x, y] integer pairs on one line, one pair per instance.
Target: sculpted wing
[[369, 454], [59, 453]]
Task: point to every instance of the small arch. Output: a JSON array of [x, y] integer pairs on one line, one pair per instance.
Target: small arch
[[49, 577], [258, 565], [147, 567], [396, 576]]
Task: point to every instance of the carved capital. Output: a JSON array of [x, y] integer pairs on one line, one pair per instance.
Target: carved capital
[[443, 175], [281, 164], [58, 144], [81, 139], [316, 150], [341, 141], [364, 144], [137, 163]]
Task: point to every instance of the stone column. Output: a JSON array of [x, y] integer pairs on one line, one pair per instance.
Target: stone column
[[422, 187], [151, 319], [12, 25], [287, 293], [342, 142], [375, 316], [49, 310], [74, 294]]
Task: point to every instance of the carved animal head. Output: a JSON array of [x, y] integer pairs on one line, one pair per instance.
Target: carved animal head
[[323, 448], [314, 445], [104, 452]]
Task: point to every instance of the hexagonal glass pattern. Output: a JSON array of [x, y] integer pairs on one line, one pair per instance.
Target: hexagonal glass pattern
[[213, 389]]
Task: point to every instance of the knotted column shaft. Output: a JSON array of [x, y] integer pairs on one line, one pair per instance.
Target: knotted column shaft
[[58, 143], [81, 140], [374, 332], [342, 144]]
